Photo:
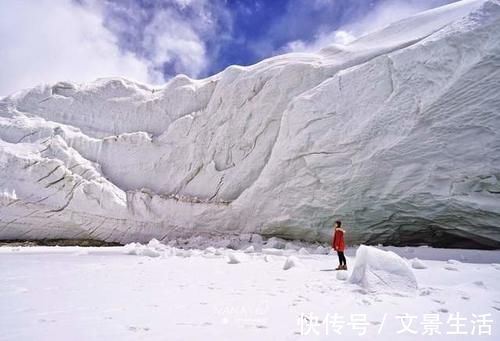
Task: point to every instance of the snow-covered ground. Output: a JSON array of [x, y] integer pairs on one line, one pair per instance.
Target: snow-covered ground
[[159, 292]]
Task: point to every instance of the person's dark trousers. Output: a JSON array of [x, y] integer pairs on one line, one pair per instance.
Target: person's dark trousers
[[342, 260]]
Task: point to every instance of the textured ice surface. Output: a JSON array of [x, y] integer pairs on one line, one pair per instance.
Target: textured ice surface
[[397, 134]]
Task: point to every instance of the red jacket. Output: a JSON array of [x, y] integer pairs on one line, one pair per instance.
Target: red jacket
[[338, 240]]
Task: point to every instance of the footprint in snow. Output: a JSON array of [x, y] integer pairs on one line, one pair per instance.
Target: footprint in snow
[[360, 291], [480, 284], [428, 291], [365, 302], [303, 298]]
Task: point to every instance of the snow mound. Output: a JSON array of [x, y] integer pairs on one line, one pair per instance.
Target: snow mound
[[303, 251], [418, 264], [156, 245], [141, 250], [377, 270], [291, 262], [232, 258], [131, 248], [210, 250], [149, 252], [452, 265]]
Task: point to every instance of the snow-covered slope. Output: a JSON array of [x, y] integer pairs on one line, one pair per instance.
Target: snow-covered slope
[[397, 134]]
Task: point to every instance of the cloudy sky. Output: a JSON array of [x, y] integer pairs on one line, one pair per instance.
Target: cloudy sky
[[44, 41]]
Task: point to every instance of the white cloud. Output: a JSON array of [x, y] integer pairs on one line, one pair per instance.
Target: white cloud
[[51, 40], [172, 39], [323, 39], [380, 16], [175, 36]]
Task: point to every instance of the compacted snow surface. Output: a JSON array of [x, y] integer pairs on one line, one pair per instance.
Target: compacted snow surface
[[158, 292]]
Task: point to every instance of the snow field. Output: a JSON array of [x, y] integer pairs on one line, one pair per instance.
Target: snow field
[[92, 293]]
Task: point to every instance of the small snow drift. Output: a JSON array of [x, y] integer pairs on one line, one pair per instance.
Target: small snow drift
[[291, 262], [377, 270], [233, 259], [141, 250], [418, 264]]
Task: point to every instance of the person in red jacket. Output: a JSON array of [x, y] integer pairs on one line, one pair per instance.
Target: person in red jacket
[[338, 244]]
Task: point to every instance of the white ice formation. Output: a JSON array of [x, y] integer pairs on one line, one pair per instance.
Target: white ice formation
[[397, 134]]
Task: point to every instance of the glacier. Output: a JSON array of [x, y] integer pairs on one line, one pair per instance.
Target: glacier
[[396, 134]]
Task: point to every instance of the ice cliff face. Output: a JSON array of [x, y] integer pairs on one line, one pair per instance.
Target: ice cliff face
[[397, 134]]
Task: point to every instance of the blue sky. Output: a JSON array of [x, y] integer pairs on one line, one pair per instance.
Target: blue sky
[[150, 41], [245, 31]]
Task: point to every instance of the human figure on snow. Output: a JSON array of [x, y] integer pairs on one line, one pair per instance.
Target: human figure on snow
[[338, 244]]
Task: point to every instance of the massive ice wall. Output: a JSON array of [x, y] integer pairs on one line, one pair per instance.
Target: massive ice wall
[[396, 133]]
